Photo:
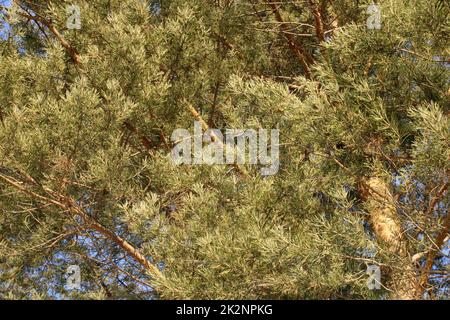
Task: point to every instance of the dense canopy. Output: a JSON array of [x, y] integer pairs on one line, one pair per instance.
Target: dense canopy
[[88, 105]]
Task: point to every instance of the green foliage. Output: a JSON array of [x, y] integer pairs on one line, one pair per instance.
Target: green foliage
[[98, 132]]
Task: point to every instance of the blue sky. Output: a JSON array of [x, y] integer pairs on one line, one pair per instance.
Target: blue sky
[[4, 26]]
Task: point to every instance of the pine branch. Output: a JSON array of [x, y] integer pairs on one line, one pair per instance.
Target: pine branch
[[205, 127], [73, 53], [69, 205], [144, 140], [50, 26], [304, 58], [439, 241], [316, 9]]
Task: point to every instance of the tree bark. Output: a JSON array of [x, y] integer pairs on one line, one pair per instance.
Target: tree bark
[[381, 206]]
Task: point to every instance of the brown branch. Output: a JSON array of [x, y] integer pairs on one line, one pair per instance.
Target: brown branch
[[70, 50], [436, 198], [114, 265], [227, 44], [144, 140], [205, 127], [160, 130], [69, 205], [317, 13], [439, 241], [304, 58]]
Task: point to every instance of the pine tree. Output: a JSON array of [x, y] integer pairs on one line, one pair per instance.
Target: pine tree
[[88, 107]]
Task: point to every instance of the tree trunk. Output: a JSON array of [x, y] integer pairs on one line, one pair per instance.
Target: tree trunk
[[383, 217]]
